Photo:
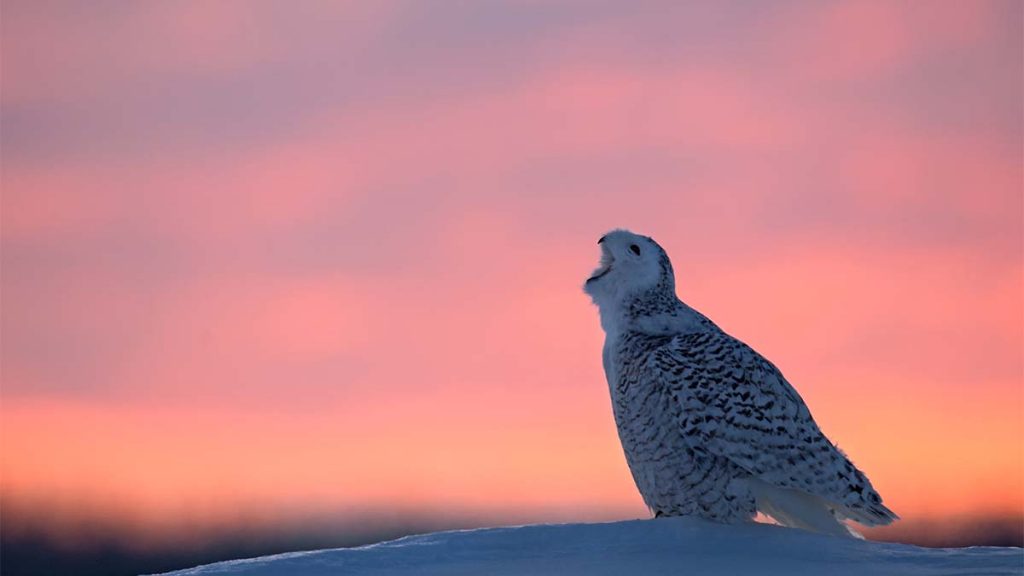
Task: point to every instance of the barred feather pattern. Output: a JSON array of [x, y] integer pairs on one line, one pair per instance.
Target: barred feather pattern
[[674, 477], [700, 412]]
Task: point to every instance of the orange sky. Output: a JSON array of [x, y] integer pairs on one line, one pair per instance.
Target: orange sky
[[260, 260]]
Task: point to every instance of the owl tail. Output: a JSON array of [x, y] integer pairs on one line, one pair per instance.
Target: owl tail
[[798, 509]]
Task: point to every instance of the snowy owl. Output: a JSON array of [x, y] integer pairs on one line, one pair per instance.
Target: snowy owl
[[710, 427]]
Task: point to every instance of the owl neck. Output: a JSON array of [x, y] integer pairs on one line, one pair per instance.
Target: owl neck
[[651, 312]]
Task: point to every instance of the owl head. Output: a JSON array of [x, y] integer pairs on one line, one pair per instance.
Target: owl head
[[631, 266]]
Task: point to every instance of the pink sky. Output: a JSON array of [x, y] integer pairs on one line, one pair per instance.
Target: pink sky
[[264, 259]]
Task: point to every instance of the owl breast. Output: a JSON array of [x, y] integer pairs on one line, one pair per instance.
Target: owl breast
[[673, 477]]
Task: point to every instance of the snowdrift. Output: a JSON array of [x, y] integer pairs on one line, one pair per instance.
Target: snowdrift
[[639, 547]]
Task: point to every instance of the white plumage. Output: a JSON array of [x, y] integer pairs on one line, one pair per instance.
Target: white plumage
[[709, 426]]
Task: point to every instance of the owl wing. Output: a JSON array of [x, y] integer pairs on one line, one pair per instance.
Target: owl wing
[[737, 405]]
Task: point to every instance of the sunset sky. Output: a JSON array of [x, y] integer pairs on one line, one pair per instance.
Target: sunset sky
[[265, 261]]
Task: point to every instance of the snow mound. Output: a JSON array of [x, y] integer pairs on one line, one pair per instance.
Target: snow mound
[[663, 546]]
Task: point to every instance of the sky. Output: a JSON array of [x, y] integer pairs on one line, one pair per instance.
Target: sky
[[267, 261]]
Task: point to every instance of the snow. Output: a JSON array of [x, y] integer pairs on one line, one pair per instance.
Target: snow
[[663, 546]]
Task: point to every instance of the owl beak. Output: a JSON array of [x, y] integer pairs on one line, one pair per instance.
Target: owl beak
[[606, 262]]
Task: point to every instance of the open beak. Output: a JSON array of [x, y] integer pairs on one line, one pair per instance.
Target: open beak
[[606, 262]]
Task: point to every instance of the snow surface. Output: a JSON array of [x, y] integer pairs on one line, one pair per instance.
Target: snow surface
[[663, 546]]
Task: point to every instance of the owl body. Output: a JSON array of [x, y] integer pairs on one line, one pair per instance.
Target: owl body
[[673, 478], [708, 426]]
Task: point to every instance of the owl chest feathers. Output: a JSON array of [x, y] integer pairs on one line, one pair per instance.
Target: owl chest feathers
[[645, 411], [647, 417], [673, 476]]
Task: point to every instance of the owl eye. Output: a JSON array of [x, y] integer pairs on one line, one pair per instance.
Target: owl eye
[[634, 249]]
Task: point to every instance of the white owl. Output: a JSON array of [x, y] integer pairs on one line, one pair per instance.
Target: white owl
[[710, 427]]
